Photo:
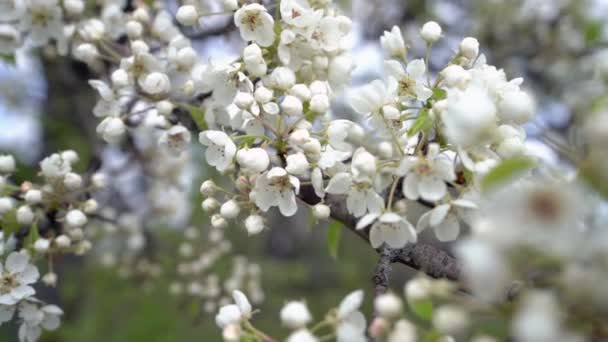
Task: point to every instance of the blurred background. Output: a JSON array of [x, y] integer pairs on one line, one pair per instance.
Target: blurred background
[[558, 46]]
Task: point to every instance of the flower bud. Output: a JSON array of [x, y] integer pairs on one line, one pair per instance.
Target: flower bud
[[300, 91], [455, 76], [295, 315], [164, 107], [99, 180], [156, 83], [210, 205], [217, 221], [319, 103], [254, 224], [186, 57], [42, 245], [33, 196], [75, 218], [230, 209], [7, 164], [120, 78], [141, 15], [516, 107], [112, 129], [430, 32], [417, 289], [291, 105], [187, 15], [263, 95], [254, 60], [230, 5], [469, 48], [388, 305], [25, 215], [6, 205], [450, 319], [283, 78], [379, 327], [321, 211], [297, 164], [72, 181], [208, 188], [63, 241], [90, 206], [50, 279], [253, 159], [73, 7], [134, 29]]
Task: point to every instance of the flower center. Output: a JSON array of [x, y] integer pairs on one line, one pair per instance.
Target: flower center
[[251, 21], [545, 206], [406, 85], [281, 183], [7, 283]]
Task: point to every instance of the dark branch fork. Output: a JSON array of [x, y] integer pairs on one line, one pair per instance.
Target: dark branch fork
[[426, 258]]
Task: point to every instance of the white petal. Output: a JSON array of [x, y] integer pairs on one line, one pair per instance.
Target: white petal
[[6, 313], [423, 221], [276, 172], [316, 179], [17, 262], [287, 203], [376, 235], [23, 291], [350, 304], [229, 314], [438, 214], [406, 165], [432, 188], [416, 68], [375, 202], [410, 186], [448, 230], [366, 220], [242, 302], [29, 275], [339, 184], [355, 203]]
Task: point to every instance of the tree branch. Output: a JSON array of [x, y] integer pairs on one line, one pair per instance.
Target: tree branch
[[427, 258]]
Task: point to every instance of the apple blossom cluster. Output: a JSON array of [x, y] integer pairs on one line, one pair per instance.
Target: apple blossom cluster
[[40, 221], [271, 129]]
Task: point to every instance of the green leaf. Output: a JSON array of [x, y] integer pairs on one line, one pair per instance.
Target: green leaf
[[422, 308], [33, 234], [9, 223], [8, 58], [198, 116], [593, 32], [334, 232], [506, 171], [423, 123], [592, 174], [439, 94]]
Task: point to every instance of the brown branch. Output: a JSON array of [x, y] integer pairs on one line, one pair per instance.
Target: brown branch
[[427, 258]]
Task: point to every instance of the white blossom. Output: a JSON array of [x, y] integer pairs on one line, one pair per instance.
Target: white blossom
[[255, 24], [425, 177], [17, 274], [220, 149], [295, 315], [276, 188], [389, 228]]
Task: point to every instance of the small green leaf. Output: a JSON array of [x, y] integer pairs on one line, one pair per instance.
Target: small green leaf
[[33, 234], [422, 308], [593, 32], [198, 116], [423, 123], [334, 232], [439, 94], [506, 171], [8, 58], [9, 223]]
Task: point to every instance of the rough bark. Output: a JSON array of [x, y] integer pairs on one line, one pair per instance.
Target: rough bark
[[426, 258]]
